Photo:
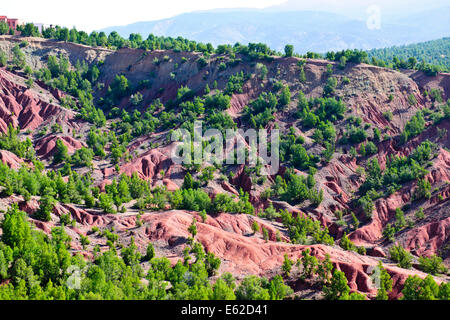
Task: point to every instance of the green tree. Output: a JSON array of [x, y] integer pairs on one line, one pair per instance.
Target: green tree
[[3, 59], [84, 241], [16, 229], [123, 190], [46, 205], [287, 265], [288, 50], [416, 288], [401, 256], [324, 269], [309, 263], [389, 232], [131, 255], [265, 234], [18, 57], [222, 291], [251, 288], [330, 86], [400, 221], [432, 265], [212, 264], [346, 243], [255, 227], [277, 289], [355, 221], [119, 88], [4, 28], [60, 152], [338, 288], [106, 203], [385, 283], [188, 182], [150, 252], [193, 228], [423, 189], [262, 69], [136, 99], [367, 205], [420, 214], [285, 97], [302, 75]]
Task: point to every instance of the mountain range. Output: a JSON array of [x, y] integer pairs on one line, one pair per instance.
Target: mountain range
[[333, 28]]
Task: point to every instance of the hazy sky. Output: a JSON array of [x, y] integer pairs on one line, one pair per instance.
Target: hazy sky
[[89, 15]]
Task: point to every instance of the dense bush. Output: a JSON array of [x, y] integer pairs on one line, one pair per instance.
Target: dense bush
[[261, 110], [11, 142], [413, 127], [398, 169], [235, 83], [401, 256], [432, 265], [304, 230], [77, 82], [416, 288]]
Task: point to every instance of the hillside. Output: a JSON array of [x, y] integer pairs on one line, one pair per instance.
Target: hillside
[[87, 159], [436, 52]]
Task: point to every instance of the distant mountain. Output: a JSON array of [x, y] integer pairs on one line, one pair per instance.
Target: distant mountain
[[357, 9], [436, 52], [307, 30]]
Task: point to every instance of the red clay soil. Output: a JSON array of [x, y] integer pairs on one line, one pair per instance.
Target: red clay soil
[[22, 107], [46, 147], [10, 159]]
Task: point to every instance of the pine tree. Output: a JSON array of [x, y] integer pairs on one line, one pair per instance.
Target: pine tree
[[221, 291], [188, 182], [338, 288], [385, 283], [255, 227], [309, 263], [265, 234], [302, 76], [285, 96], [287, 265], [46, 205], [324, 269], [288, 50], [60, 153], [193, 228]]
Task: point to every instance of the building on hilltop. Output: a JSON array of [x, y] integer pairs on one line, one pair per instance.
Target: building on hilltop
[[12, 23]]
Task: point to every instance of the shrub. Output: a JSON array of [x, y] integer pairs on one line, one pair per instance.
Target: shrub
[[288, 50], [287, 265], [416, 288], [60, 153], [3, 58], [388, 115], [413, 127], [346, 243], [330, 87], [389, 232], [366, 205], [401, 256], [201, 62], [423, 190], [285, 96], [412, 99], [432, 265], [420, 214]]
